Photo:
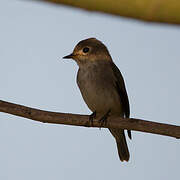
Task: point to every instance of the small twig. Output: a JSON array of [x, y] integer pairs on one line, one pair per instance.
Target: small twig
[[83, 120]]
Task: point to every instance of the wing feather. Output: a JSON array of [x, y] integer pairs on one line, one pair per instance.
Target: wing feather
[[120, 86]]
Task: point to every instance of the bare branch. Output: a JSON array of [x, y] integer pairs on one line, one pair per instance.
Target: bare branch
[[83, 120], [164, 11]]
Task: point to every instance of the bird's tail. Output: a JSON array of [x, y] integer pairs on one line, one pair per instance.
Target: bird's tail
[[121, 144]]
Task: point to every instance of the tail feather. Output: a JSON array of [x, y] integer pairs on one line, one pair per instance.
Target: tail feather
[[121, 144], [129, 134]]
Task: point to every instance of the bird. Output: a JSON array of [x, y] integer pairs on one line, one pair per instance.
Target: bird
[[102, 87]]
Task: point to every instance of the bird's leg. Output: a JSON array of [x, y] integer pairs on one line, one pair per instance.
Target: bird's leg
[[103, 120], [91, 118]]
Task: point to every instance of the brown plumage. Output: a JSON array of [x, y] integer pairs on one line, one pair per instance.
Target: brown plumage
[[102, 86]]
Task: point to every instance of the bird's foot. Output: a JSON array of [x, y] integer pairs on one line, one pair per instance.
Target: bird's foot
[[103, 120], [91, 118]]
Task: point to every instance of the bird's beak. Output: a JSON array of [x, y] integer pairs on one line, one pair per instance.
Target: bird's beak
[[69, 56]]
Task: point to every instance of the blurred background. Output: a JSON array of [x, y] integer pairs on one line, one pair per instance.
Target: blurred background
[[33, 39]]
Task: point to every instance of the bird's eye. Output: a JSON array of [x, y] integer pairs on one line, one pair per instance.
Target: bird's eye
[[85, 50]]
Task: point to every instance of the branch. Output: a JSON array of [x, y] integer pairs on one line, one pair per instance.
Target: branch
[[164, 11], [83, 120]]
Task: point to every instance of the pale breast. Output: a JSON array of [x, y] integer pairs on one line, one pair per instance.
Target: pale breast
[[98, 89]]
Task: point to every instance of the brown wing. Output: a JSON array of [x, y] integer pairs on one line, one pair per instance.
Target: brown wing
[[120, 86]]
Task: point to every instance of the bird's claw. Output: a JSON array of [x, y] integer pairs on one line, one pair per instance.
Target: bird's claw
[[103, 120]]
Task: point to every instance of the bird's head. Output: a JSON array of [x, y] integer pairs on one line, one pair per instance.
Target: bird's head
[[89, 50]]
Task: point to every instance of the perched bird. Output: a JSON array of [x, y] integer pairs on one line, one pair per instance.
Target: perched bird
[[102, 87]]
